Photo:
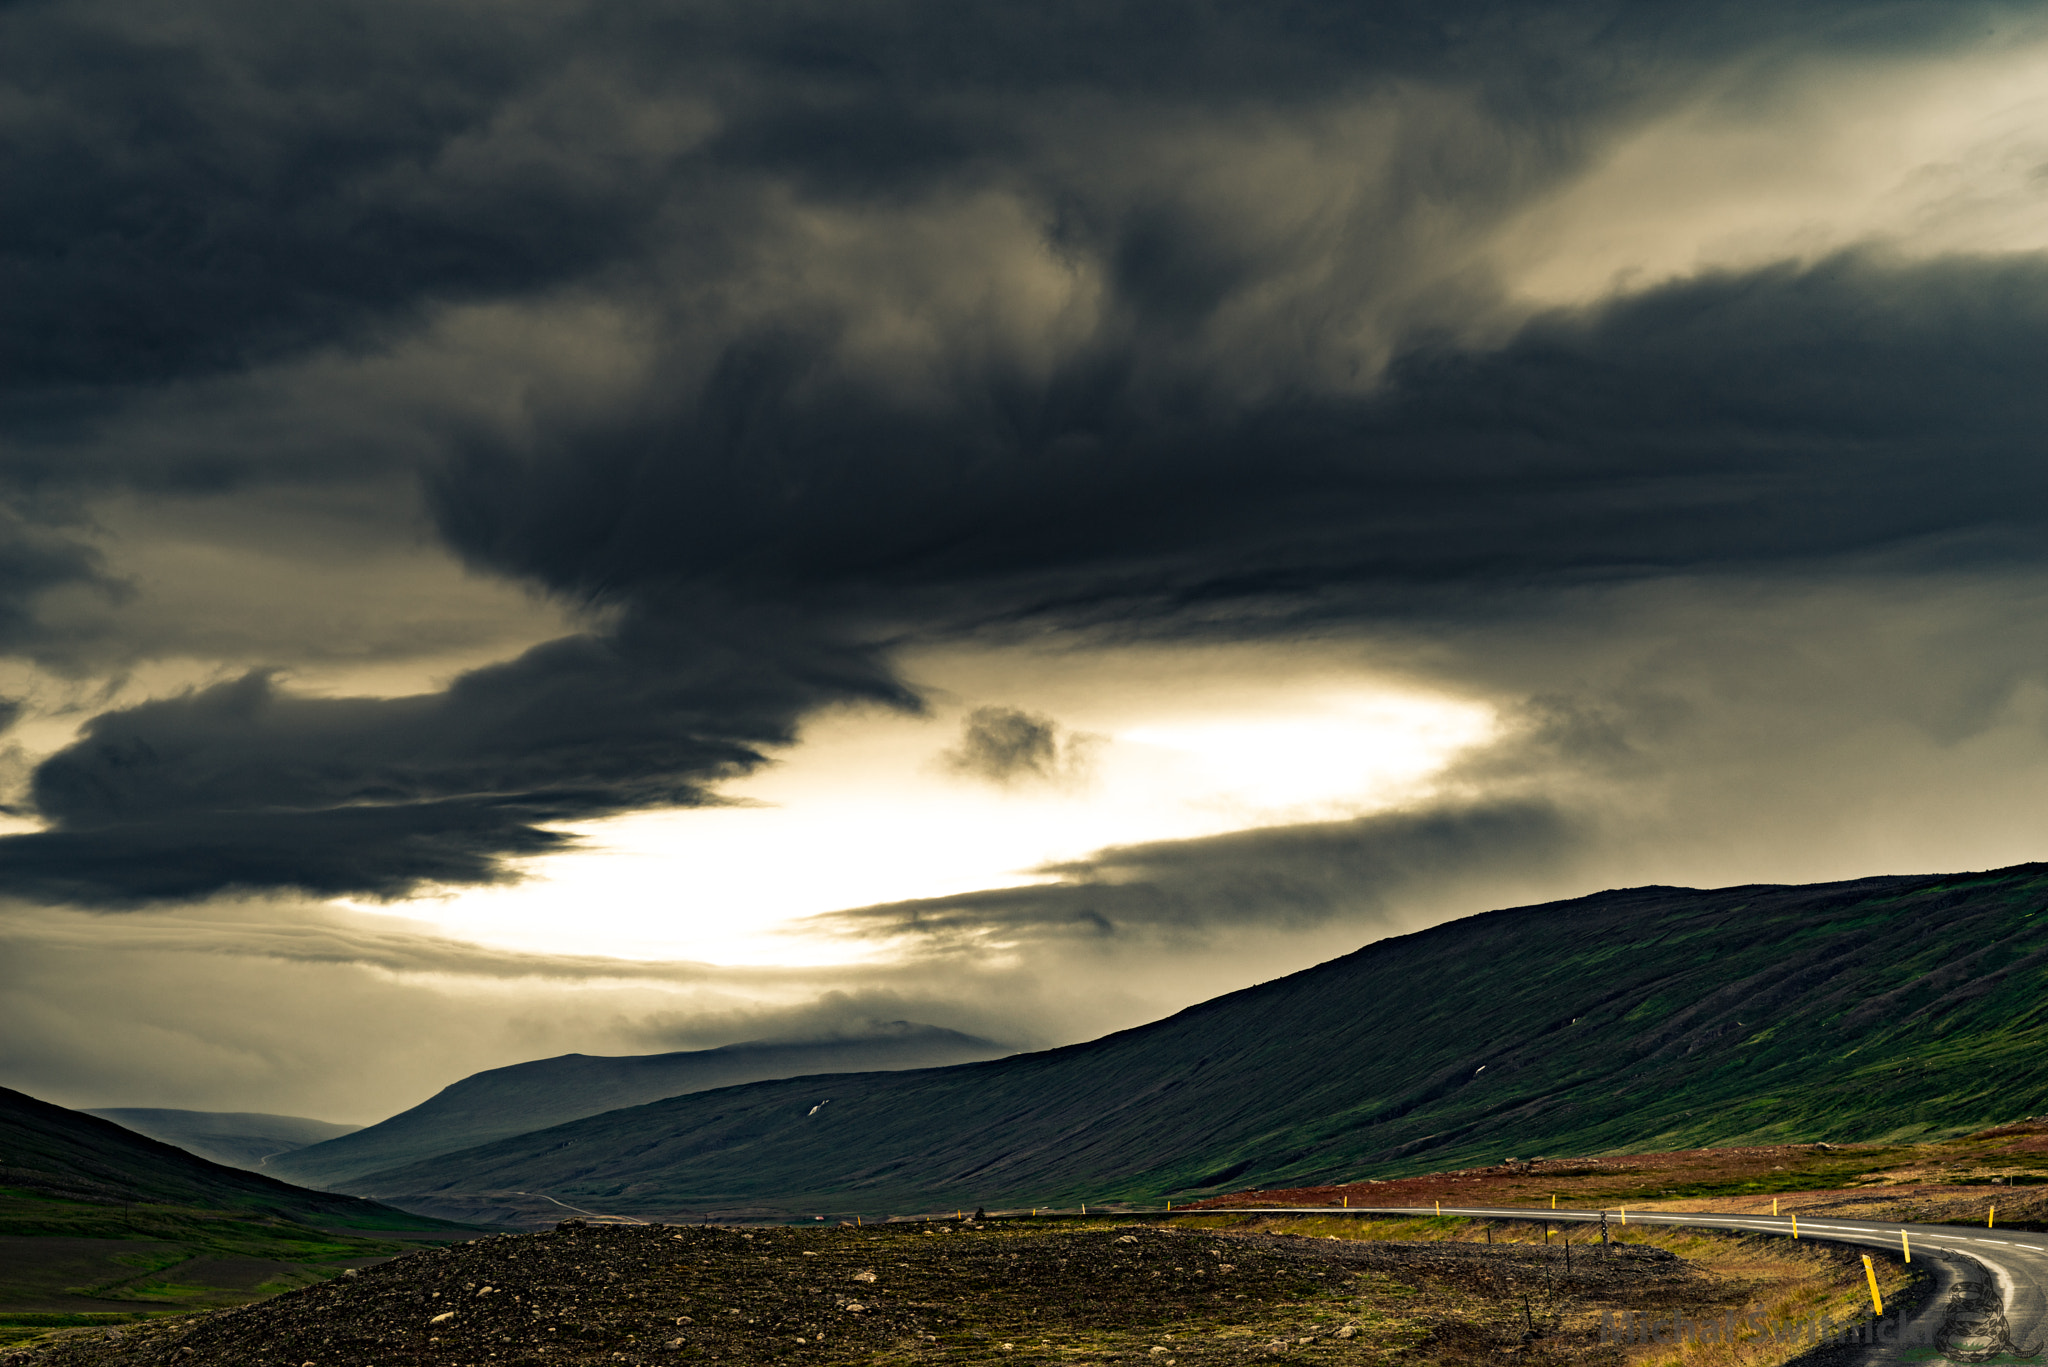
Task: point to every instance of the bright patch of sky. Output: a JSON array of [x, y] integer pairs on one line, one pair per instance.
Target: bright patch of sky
[[865, 810], [1921, 159]]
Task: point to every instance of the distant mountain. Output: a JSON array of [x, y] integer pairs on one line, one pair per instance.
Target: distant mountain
[[530, 1096], [1649, 1018], [239, 1139]]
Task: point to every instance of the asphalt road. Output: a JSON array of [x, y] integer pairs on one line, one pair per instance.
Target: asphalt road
[[2016, 1261]]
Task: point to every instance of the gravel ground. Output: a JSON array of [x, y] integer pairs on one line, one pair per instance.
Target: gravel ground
[[588, 1294]]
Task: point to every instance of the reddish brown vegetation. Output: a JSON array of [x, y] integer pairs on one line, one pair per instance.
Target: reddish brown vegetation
[[1947, 1180]]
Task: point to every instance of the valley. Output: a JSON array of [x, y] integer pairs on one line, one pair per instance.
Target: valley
[[1862, 1050], [236, 1139]]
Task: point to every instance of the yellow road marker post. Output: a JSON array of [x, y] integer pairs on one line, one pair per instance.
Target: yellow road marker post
[[1906, 1245], [1774, 1205], [1870, 1271], [1624, 1214], [1347, 1203], [1439, 1207], [1553, 1200], [1795, 1226], [1989, 1211]]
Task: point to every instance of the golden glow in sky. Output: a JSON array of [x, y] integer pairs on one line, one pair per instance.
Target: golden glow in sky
[[1917, 159], [866, 810]]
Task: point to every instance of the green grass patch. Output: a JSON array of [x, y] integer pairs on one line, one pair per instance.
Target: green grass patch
[[26, 1327]]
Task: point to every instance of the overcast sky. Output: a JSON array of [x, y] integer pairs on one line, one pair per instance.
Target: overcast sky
[[542, 527]]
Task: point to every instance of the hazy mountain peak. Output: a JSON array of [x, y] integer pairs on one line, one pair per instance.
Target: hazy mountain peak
[[500, 1102], [237, 1139]]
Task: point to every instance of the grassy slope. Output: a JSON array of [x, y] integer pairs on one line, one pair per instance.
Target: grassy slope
[[550, 1091], [1882, 1009], [93, 1215], [49, 1151]]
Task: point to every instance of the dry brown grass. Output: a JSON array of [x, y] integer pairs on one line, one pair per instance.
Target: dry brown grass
[[1779, 1279], [1785, 1282], [1950, 1181]]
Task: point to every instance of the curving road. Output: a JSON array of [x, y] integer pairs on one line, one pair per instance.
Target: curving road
[[593, 1214], [2016, 1260]]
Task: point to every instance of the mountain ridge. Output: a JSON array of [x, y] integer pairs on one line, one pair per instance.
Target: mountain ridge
[[235, 1139], [1642, 1017], [520, 1097]]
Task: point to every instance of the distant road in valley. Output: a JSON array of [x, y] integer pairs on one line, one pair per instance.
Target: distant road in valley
[[593, 1214]]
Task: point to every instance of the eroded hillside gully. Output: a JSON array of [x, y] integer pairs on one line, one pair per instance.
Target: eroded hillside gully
[[1212, 1289]]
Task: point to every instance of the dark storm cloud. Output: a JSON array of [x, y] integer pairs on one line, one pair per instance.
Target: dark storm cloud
[[35, 559], [771, 496], [218, 184], [204, 186], [1787, 416], [1003, 745], [1287, 877], [248, 785]]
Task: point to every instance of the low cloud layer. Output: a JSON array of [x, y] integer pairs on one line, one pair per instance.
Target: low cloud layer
[[1790, 422], [1361, 875]]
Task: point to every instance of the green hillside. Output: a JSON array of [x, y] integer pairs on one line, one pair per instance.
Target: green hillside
[[1647, 1018], [96, 1220], [50, 1152]]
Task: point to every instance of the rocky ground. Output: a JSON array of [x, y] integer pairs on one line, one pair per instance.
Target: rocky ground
[[921, 1294]]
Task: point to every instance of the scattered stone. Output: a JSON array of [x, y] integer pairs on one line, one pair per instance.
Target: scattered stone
[[593, 1295]]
